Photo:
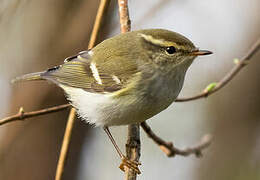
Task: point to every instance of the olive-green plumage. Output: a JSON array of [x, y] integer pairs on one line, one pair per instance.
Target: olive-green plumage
[[142, 72], [125, 79], [121, 59]]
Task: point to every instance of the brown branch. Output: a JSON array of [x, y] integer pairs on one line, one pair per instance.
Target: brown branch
[[133, 145], [100, 15], [67, 136], [125, 22], [168, 147], [21, 115], [65, 144], [133, 149], [229, 76]]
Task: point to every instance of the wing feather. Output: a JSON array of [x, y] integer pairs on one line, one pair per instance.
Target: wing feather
[[76, 72]]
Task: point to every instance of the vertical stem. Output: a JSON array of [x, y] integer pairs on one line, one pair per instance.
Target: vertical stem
[[65, 144], [133, 145], [133, 149], [125, 23], [100, 14], [67, 135]]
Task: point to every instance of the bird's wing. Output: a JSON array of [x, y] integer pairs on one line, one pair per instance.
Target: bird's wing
[[93, 75]]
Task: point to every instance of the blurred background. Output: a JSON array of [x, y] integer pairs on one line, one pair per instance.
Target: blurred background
[[36, 35]]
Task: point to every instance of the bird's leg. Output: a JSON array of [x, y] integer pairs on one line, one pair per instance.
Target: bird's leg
[[125, 161]]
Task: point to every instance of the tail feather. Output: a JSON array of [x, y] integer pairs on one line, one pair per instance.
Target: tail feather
[[28, 77]]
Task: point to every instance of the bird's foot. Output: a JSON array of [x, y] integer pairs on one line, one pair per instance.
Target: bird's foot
[[129, 164]]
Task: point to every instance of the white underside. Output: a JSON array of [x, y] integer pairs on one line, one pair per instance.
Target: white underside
[[103, 109], [89, 105]]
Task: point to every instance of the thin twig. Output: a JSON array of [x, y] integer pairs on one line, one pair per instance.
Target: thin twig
[[125, 22], [229, 76], [100, 13], [67, 136], [21, 115], [133, 145], [133, 149], [65, 145], [168, 147]]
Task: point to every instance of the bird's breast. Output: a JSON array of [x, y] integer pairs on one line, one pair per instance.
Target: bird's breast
[[160, 90]]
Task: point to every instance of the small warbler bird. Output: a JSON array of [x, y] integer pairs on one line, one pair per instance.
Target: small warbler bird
[[126, 79]]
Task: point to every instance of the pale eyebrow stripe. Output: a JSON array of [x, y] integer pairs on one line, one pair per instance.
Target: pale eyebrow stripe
[[160, 42], [95, 72]]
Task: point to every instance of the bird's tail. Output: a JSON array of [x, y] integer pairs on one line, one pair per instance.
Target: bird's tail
[[28, 77]]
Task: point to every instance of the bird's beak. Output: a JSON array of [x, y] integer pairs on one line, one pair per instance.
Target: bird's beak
[[198, 52]]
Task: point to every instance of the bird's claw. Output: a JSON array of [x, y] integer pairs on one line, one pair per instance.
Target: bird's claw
[[130, 164]]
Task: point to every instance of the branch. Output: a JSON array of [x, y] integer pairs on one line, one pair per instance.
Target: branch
[[133, 149], [99, 18], [133, 145], [170, 150], [21, 115], [65, 145], [125, 22], [67, 136], [214, 87]]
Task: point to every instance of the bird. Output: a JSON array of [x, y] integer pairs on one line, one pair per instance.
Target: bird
[[125, 79]]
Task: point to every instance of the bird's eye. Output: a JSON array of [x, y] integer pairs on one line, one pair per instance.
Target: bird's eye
[[170, 49]]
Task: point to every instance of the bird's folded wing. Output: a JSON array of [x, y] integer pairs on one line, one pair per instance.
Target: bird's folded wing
[[93, 75]]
